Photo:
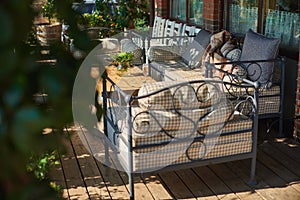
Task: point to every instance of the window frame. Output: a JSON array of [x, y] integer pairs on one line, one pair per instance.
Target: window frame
[[293, 54], [186, 21]]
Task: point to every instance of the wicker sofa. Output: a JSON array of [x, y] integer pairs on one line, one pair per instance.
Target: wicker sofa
[[176, 124]]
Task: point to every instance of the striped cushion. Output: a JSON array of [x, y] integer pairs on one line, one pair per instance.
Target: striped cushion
[[187, 151], [198, 95], [163, 53]]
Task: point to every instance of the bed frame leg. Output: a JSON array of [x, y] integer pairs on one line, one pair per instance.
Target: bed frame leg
[[252, 181], [131, 186], [281, 126]]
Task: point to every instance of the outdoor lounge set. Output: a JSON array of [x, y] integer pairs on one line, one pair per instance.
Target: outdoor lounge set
[[203, 107]]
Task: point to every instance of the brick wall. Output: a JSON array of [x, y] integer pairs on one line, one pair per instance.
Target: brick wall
[[161, 8], [212, 15]]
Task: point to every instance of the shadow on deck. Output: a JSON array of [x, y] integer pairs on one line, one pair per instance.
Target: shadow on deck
[[277, 174]]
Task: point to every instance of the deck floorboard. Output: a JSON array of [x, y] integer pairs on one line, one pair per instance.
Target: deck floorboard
[[83, 176]]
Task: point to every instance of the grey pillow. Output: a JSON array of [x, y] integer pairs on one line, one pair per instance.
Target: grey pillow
[[260, 47], [192, 56], [234, 55]]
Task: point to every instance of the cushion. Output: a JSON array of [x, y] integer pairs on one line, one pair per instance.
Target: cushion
[[162, 53], [170, 98], [239, 71], [128, 45], [234, 55], [194, 52], [218, 39], [197, 95], [228, 46], [260, 47]]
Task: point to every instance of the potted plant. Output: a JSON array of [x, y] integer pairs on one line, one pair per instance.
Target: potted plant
[[123, 60], [50, 32]]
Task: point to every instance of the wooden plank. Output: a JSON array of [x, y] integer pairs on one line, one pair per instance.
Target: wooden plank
[[280, 170], [214, 183], [282, 191], [154, 185], [56, 175], [195, 184], [96, 144], [235, 183], [141, 190], [281, 157], [261, 188], [114, 183], [289, 147], [91, 175], [174, 185], [74, 182]]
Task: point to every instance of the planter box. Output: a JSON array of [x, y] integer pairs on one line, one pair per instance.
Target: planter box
[[48, 34]]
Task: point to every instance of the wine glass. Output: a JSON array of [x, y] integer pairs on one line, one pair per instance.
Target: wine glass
[[145, 69]]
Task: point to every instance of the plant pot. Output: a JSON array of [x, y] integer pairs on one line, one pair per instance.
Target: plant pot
[[123, 65], [48, 34]]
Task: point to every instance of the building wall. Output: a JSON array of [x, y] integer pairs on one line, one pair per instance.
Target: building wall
[[212, 13], [161, 8]]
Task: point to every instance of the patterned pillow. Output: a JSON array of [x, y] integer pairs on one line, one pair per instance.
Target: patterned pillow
[[239, 71], [227, 47], [260, 47], [192, 56], [183, 97], [234, 55]]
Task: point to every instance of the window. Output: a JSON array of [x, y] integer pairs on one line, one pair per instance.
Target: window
[[187, 11], [273, 18], [243, 15]]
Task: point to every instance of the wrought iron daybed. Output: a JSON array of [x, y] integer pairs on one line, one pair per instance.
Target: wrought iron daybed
[[271, 94], [173, 124]]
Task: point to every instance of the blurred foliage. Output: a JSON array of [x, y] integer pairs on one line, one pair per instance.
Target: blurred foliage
[[92, 20], [141, 24], [122, 14], [41, 164], [22, 119], [22, 75]]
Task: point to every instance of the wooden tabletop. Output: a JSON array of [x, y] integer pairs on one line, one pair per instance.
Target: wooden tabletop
[[130, 81]]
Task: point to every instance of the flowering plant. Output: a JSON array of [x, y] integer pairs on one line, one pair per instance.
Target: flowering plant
[[123, 59]]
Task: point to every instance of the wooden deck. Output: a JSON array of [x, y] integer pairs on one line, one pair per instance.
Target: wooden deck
[[277, 174]]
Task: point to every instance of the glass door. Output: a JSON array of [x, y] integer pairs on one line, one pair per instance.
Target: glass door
[[282, 20], [243, 14]]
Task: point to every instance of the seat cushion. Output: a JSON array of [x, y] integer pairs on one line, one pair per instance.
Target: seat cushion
[[260, 47], [192, 56], [163, 53]]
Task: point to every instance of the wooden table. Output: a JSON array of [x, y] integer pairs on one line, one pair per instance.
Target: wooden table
[[129, 81]]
